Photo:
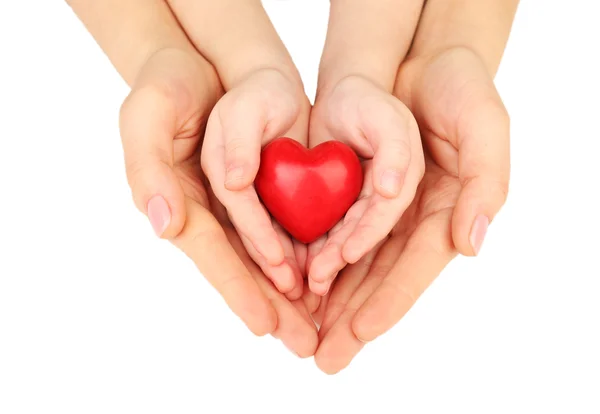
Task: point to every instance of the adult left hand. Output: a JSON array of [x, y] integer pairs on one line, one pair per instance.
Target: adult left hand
[[465, 133]]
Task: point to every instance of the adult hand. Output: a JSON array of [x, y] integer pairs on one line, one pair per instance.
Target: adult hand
[[465, 132], [162, 123], [265, 99]]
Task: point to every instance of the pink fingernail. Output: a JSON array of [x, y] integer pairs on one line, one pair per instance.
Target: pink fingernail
[[159, 214], [478, 232], [391, 181]]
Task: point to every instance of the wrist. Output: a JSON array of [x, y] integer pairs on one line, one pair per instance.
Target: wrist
[[368, 39], [239, 39], [378, 68], [482, 26]]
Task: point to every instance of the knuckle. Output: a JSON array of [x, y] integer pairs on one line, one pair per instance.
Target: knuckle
[[237, 106], [403, 293], [134, 171], [235, 149], [400, 152], [156, 96], [199, 238]]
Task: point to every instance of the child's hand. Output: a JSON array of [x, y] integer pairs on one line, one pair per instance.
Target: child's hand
[[261, 107], [382, 131]]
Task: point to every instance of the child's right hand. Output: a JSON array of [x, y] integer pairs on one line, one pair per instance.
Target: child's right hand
[[263, 106]]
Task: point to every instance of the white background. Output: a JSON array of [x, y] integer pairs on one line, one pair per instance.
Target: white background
[[98, 316]]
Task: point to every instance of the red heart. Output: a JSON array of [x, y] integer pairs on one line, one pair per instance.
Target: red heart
[[308, 191]]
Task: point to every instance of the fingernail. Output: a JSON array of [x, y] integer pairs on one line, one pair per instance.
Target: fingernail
[[234, 174], [478, 231], [391, 181], [159, 214]]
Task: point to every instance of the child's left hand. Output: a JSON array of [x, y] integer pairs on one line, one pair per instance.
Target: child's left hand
[[384, 133]]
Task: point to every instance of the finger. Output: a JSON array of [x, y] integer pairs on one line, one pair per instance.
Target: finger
[[329, 261], [294, 329], [250, 117], [244, 208], [333, 353], [281, 275], [381, 215], [301, 253], [425, 255], [348, 282], [206, 244], [314, 249], [311, 300], [303, 311], [360, 280], [242, 150], [394, 135], [338, 342], [319, 314], [147, 131], [290, 259], [240, 123], [164, 97], [484, 169]]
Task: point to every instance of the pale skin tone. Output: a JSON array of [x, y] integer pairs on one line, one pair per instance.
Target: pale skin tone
[[426, 118]]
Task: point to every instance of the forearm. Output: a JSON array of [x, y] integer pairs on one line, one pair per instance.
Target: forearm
[[369, 38], [130, 31], [236, 36], [481, 25]]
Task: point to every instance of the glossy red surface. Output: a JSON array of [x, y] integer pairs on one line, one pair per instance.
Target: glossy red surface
[[308, 191]]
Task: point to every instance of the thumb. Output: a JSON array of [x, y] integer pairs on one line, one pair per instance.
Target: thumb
[[393, 133], [484, 169], [241, 128], [147, 123]]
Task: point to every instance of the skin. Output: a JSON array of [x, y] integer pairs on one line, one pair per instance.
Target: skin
[[355, 105], [162, 124], [441, 87], [447, 83], [265, 99]]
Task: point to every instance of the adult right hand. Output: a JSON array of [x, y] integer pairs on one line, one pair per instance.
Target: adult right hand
[[173, 92], [162, 123]]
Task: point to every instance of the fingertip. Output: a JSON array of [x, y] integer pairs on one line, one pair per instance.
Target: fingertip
[[338, 348], [351, 251], [295, 293], [478, 203], [298, 290], [320, 289], [160, 198], [283, 278], [238, 178], [273, 253], [317, 272], [389, 183], [364, 327], [265, 324], [478, 233], [159, 214]]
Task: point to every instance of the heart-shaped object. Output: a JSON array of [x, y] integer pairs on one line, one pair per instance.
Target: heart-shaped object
[[308, 190]]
